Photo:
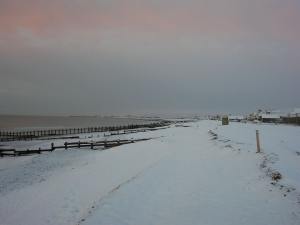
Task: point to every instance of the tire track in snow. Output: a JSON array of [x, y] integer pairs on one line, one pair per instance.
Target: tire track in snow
[[97, 203]]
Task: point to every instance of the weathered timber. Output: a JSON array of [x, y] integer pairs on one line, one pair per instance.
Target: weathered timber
[[29, 135], [104, 144]]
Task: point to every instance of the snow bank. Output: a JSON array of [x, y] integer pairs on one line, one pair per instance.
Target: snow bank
[[280, 144]]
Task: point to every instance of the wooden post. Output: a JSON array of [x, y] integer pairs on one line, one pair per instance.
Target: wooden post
[[92, 145], [52, 146], [66, 145], [257, 142]]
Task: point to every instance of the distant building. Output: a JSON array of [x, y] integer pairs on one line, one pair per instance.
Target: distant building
[[252, 117], [270, 118], [296, 112], [236, 118], [276, 116], [293, 117]]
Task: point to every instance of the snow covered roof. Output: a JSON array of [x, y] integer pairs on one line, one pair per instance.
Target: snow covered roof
[[236, 117], [270, 116]]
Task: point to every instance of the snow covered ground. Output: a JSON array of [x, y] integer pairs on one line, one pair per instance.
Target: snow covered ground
[[183, 176], [280, 146]]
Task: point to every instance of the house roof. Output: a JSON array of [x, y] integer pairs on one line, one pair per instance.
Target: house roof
[[270, 116], [236, 117]]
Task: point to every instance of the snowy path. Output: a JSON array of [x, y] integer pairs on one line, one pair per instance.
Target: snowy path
[[64, 184], [182, 178], [198, 184]]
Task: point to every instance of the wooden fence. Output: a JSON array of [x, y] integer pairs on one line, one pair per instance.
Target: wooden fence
[[67, 145], [291, 120], [29, 135]]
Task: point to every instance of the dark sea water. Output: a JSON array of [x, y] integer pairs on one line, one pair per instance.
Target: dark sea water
[[19, 123]]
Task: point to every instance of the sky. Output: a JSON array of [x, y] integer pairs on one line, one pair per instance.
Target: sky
[[148, 56]]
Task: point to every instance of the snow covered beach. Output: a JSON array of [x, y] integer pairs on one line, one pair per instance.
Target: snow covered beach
[[182, 176]]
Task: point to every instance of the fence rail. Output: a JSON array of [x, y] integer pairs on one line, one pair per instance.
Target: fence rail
[[67, 145], [29, 135]]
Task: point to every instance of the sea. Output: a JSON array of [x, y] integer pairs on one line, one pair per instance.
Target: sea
[[27, 123]]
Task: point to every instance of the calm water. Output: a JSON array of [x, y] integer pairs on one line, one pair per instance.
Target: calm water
[[15, 123]]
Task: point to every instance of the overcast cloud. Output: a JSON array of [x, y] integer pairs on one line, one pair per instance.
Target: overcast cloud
[[127, 56]]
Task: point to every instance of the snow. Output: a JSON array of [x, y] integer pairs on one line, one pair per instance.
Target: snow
[[270, 116], [63, 184], [236, 117], [280, 142], [182, 176], [294, 113]]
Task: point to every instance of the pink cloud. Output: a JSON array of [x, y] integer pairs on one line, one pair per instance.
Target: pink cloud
[[46, 18]]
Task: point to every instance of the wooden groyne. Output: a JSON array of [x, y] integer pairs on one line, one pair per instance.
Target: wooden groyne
[[33, 134], [70, 145]]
